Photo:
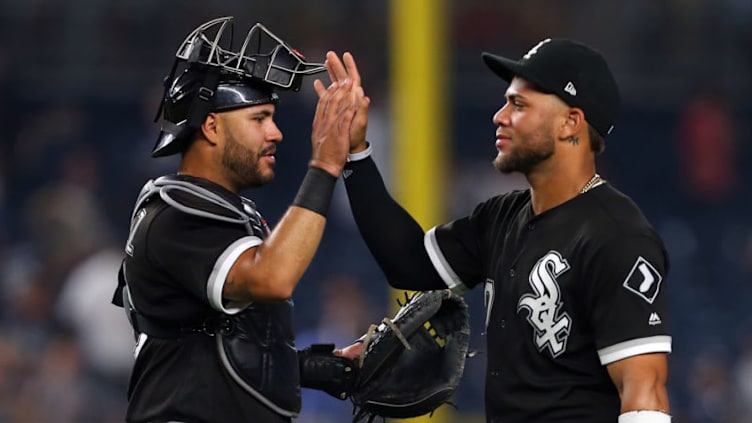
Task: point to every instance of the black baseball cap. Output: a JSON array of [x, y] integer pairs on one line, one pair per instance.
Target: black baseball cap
[[572, 71]]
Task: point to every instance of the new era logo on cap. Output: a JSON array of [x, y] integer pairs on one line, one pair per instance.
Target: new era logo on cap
[[570, 88], [572, 71]]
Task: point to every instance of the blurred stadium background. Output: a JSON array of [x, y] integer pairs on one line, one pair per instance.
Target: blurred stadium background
[[79, 85]]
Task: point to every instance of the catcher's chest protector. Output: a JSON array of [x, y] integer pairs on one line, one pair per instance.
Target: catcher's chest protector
[[256, 346]]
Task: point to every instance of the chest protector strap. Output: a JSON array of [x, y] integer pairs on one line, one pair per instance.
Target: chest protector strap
[[198, 201]]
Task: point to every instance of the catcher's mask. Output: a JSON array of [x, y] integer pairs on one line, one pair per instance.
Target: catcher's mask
[[217, 78]]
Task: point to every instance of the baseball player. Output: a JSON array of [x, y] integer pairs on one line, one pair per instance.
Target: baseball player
[[205, 283], [574, 276]]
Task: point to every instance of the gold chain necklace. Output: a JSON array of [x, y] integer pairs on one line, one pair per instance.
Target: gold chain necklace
[[591, 183]]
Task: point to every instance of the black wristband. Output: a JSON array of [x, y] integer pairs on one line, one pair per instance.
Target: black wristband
[[316, 191]]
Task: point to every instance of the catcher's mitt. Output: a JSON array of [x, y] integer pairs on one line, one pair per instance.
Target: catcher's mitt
[[412, 364]]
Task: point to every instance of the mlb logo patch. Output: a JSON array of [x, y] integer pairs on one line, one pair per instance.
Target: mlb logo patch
[[644, 280]]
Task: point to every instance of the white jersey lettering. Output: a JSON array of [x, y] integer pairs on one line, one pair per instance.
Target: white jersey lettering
[[551, 325]]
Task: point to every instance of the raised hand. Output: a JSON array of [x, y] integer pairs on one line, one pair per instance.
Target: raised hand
[[339, 70], [331, 125]]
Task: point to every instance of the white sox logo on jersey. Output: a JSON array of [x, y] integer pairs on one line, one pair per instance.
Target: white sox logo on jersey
[[644, 280], [551, 324]]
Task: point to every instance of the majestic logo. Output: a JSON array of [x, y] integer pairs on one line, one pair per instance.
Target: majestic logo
[[644, 280], [654, 319], [551, 324], [535, 49]]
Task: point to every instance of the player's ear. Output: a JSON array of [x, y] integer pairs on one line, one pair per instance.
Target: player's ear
[[210, 129], [573, 124]]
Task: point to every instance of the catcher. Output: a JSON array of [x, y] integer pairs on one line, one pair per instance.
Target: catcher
[[205, 282]]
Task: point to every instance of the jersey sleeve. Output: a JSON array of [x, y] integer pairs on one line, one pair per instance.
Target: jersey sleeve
[[629, 306], [455, 250], [199, 253], [391, 234]]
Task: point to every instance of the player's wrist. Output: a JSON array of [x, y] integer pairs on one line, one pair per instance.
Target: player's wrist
[[334, 169], [316, 190], [360, 152], [644, 416]]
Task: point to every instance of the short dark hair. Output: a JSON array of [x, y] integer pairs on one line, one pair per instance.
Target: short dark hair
[[597, 142]]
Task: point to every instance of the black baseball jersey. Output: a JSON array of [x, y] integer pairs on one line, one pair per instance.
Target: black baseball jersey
[[175, 269], [567, 292]]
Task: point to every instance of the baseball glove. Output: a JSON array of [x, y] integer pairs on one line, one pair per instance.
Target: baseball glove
[[412, 364]]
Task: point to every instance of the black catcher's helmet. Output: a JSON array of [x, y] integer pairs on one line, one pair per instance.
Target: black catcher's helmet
[[214, 77]]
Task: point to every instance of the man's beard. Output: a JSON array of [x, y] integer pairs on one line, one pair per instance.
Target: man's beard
[[243, 164], [525, 157]]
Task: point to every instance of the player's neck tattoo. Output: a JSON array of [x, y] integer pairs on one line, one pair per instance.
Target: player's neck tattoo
[[574, 139]]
